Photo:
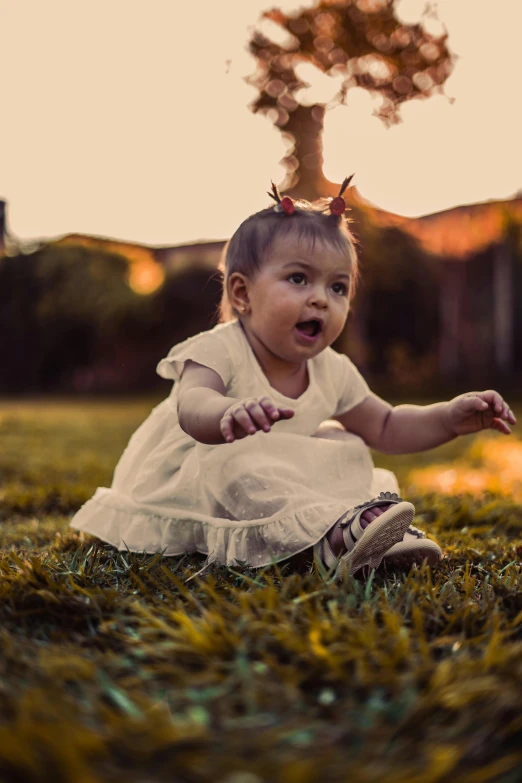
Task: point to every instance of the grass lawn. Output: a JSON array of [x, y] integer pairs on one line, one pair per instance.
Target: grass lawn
[[121, 667]]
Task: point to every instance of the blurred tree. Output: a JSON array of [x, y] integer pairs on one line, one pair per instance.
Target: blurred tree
[[57, 306], [360, 43], [67, 313], [507, 253], [394, 309]]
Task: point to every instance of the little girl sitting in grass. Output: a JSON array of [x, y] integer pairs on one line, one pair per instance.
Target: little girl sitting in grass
[[261, 449]]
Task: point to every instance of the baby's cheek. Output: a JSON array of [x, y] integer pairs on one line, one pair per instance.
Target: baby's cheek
[[284, 308], [341, 306]]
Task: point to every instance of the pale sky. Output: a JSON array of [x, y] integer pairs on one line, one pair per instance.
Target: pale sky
[[105, 130]]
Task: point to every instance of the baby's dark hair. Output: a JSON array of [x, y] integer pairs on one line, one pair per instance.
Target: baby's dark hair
[[250, 245]]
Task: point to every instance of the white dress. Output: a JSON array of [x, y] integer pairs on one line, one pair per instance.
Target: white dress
[[254, 501]]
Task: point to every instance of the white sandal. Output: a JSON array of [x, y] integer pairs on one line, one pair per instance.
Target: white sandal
[[414, 548], [368, 546]]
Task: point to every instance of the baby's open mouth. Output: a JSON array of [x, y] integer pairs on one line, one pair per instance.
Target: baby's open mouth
[[311, 328]]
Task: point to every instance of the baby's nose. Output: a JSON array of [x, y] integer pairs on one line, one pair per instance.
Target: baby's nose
[[319, 297]]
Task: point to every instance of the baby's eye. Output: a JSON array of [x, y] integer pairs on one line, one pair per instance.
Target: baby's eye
[[343, 287], [297, 274]]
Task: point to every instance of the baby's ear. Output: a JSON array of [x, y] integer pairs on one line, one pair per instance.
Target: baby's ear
[[237, 290]]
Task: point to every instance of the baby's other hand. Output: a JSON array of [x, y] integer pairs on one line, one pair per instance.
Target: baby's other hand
[[477, 411], [248, 416]]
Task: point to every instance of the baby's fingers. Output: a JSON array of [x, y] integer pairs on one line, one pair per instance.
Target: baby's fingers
[[258, 415], [269, 407], [501, 426], [498, 407], [234, 422], [275, 412], [493, 399], [226, 426], [508, 415]]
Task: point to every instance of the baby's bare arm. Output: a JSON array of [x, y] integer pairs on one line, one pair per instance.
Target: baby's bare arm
[[202, 403], [412, 428], [404, 429], [200, 414]]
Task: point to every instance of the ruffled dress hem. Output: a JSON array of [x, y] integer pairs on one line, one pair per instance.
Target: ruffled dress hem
[[120, 524]]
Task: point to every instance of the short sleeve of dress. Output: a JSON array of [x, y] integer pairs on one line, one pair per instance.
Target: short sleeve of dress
[[206, 348], [351, 386]]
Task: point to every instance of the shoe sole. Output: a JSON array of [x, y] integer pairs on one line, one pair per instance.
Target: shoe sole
[[405, 560], [381, 534]]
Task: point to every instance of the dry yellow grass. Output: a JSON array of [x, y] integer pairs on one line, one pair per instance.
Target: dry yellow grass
[[117, 666]]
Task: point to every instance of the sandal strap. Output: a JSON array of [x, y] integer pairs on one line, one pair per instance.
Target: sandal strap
[[349, 537], [384, 499]]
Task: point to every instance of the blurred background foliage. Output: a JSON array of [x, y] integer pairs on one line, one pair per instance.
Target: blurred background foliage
[[75, 318], [70, 321]]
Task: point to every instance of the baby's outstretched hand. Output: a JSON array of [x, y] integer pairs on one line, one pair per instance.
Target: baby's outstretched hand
[[477, 411], [248, 416]]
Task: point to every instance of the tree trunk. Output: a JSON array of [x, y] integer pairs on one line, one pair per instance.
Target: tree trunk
[[307, 181]]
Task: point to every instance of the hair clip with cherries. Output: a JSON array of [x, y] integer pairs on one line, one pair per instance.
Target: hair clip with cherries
[[337, 205]]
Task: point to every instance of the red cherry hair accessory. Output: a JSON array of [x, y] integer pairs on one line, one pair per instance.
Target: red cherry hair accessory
[[283, 204], [338, 204], [288, 205]]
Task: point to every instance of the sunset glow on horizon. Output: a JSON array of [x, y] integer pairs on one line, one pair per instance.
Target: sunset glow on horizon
[[131, 120]]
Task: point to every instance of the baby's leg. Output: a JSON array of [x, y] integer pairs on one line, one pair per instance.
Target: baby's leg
[[334, 430]]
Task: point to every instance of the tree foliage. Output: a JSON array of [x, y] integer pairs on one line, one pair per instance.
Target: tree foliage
[[65, 308], [361, 43]]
